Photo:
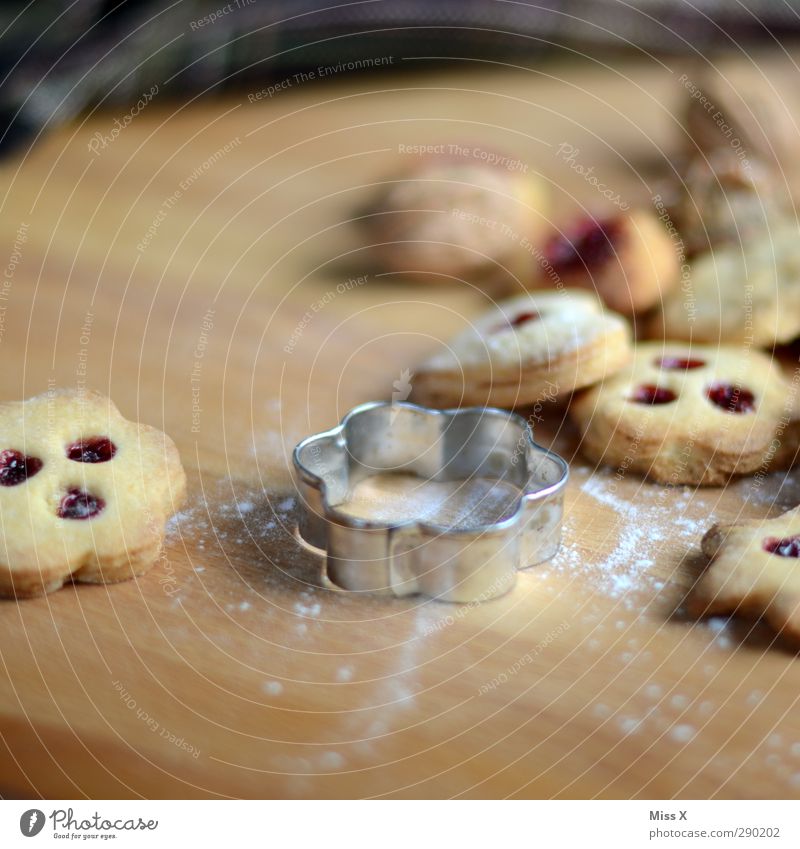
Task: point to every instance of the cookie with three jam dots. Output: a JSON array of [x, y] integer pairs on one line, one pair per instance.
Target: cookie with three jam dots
[[695, 414], [534, 348], [754, 570], [746, 293], [456, 218], [628, 259], [84, 493]]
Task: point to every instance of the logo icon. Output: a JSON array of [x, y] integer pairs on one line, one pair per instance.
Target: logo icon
[[402, 389], [31, 822]]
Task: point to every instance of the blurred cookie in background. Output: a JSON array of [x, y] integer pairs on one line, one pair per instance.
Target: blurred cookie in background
[[748, 294], [719, 200], [629, 259], [460, 214], [737, 110], [736, 169]]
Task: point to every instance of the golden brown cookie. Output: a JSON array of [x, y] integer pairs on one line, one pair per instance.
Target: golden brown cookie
[[683, 414], [530, 349], [628, 259], [457, 218], [748, 294], [755, 571], [84, 493]]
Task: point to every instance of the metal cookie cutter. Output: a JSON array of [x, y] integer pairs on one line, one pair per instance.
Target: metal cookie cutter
[[459, 564]]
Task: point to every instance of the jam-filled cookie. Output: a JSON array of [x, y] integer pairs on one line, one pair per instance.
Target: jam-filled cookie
[[84, 493], [695, 414], [755, 571], [628, 259], [530, 349]]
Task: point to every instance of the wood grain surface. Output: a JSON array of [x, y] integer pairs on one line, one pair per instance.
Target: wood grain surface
[[195, 268]]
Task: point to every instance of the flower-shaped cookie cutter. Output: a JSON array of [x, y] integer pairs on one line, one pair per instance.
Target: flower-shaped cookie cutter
[[457, 563]]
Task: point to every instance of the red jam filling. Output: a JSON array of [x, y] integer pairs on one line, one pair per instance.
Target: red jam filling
[[524, 318], [517, 321], [77, 504], [734, 399], [678, 363], [96, 449], [16, 468], [650, 394], [787, 547], [588, 246]]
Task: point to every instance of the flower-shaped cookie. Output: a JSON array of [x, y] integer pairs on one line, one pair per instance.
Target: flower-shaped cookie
[[527, 350], [84, 493], [754, 570], [691, 415]]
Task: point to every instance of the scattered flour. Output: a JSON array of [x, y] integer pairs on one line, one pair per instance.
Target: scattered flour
[[636, 538], [653, 691], [628, 724], [683, 733], [331, 761], [344, 673]]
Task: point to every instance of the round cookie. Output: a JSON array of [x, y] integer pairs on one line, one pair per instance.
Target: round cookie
[[84, 493], [748, 294], [527, 350], [628, 259], [456, 217], [684, 414]]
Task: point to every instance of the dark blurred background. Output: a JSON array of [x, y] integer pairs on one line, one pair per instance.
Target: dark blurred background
[[60, 58]]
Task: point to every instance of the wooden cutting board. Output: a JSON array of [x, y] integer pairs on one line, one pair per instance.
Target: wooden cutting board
[[196, 268]]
